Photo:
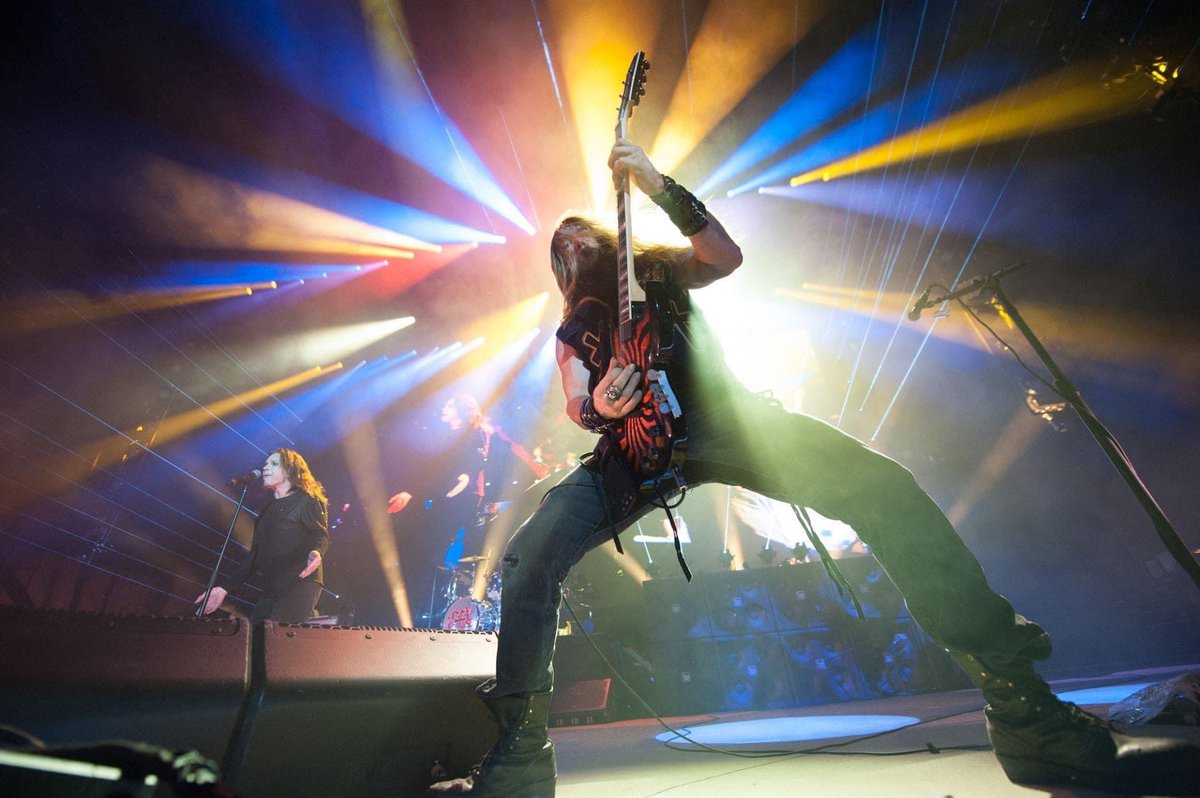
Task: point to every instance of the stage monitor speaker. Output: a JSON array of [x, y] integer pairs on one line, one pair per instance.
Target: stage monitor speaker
[[71, 677], [739, 602], [687, 681], [581, 703], [676, 609], [754, 673], [360, 711]]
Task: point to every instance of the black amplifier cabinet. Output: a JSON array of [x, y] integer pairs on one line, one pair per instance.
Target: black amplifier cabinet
[[72, 677], [360, 711]]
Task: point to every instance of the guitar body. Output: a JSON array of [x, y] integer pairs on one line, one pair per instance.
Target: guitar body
[[651, 438]]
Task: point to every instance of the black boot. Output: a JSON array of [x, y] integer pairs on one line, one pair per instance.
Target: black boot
[[521, 764], [1042, 740]]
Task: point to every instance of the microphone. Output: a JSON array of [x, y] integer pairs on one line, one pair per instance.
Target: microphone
[[242, 480], [921, 303]]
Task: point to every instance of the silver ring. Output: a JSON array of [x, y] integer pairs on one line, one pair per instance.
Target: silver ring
[[612, 394]]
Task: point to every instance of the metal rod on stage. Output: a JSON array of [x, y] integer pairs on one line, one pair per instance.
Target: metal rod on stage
[[1116, 455], [212, 580]]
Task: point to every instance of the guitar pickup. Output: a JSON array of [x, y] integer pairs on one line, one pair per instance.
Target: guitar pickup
[[669, 394]]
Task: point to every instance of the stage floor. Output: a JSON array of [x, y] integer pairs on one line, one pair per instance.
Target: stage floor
[[625, 760]]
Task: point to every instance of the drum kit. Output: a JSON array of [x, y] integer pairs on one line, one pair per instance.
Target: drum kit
[[463, 612]]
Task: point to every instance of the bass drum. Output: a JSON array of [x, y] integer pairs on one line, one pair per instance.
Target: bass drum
[[463, 615]]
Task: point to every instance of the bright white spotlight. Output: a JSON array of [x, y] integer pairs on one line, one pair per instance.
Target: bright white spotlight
[[789, 729]]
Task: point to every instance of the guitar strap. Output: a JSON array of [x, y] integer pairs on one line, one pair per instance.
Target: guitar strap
[[618, 488], [831, 569], [619, 491], [683, 566]]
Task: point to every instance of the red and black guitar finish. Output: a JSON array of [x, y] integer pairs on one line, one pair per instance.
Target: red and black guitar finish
[[652, 438]]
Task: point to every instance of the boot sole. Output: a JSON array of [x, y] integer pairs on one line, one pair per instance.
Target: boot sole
[[1040, 772], [541, 789]]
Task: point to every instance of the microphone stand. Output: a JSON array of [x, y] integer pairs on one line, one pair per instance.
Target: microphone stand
[[1068, 391], [212, 580]]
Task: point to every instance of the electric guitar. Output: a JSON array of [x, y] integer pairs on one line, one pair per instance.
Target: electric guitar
[[652, 438]]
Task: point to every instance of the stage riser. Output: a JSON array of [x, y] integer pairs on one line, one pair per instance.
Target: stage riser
[[77, 677], [288, 710], [362, 712]]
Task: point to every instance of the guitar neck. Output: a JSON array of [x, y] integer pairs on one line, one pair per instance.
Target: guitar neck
[[631, 296]]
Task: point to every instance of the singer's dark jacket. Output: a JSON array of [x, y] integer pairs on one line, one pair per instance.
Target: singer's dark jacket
[[286, 531]]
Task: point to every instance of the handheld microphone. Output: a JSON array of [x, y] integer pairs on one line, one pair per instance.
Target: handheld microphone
[[242, 480], [921, 303]]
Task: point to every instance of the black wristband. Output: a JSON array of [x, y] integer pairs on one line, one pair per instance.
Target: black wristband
[[590, 417], [685, 211]]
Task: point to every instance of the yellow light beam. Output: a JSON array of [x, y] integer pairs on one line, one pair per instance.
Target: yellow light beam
[[494, 332], [360, 446], [892, 304], [174, 427], [1012, 443], [1071, 97], [739, 41], [594, 42], [516, 318], [184, 206], [1159, 345], [114, 448], [33, 312], [631, 567], [332, 342]]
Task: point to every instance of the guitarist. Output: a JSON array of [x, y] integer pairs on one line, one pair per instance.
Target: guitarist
[[737, 438]]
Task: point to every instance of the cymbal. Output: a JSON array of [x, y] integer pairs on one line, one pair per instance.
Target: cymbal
[[476, 558]]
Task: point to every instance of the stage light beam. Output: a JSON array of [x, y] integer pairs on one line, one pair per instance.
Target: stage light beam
[[326, 344], [739, 41], [184, 206], [1071, 97], [595, 43]]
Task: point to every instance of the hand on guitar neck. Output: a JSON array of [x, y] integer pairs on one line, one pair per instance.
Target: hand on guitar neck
[[629, 161], [714, 253]]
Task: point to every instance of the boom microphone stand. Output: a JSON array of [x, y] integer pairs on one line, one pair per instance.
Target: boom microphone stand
[[212, 580], [1162, 525]]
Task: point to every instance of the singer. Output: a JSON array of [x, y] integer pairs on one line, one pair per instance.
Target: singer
[[291, 537]]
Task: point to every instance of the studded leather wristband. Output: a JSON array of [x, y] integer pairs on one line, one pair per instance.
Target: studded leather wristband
[[684, 210], [590, 417]]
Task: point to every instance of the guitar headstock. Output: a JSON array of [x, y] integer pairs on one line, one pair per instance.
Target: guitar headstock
[[635, 85]]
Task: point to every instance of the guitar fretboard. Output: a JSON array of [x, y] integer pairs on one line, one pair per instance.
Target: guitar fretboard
[[631, 297], [626, 279]]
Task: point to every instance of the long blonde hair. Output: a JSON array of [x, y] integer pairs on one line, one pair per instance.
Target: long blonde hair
[[300, 475], [591, 274]]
